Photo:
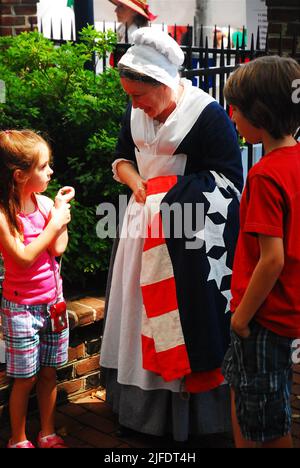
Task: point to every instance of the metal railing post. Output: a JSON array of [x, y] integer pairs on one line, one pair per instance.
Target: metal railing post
[[84, 16]]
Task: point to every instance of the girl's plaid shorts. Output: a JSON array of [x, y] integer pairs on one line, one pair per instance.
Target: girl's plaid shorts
[[259, 369], [30, 344]]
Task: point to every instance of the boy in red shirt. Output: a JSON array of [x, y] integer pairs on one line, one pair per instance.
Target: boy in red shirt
[[266, 272]]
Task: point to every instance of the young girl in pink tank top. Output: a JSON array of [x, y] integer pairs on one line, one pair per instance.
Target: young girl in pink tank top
[[33, 231]]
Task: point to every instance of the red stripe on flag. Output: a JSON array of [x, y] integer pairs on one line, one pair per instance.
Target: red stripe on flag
[[151, 243], [149, 355], [160, 298], [161, 363], [203, 381], [155, 235], [160, 184], [174, 363]]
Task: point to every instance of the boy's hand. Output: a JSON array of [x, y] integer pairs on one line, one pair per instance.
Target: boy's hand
[[239, 328], [64, 195]]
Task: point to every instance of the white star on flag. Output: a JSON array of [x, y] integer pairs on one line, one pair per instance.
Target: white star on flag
[[213, 234], [227, 294], [200, 234], [218, 204], [218, 269]]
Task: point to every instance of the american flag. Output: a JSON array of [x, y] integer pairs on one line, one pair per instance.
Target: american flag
[[186, 291]]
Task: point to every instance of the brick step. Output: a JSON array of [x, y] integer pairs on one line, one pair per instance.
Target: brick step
[[85, 311]]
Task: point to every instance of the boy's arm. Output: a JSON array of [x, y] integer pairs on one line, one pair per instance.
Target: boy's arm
[[23, 255], [263, 279]]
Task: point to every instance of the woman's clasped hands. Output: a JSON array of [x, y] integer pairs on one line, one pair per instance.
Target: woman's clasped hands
[[140, 190]]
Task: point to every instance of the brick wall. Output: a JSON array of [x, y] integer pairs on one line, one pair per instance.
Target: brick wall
[[17, 16], [284, 17]]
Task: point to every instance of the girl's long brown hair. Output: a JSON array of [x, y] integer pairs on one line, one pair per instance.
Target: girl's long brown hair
[[19, 149]]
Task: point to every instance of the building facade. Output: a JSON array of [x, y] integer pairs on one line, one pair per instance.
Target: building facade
[[17, 16], [284, 20]]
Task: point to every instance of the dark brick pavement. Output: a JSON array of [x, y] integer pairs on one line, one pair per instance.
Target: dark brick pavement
[[88, 422]]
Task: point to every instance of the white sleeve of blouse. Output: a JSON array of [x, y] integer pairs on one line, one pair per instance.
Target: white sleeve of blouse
[[115, 168]]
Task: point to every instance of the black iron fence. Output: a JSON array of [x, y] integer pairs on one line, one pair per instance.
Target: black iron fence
[[207, 66], [214, 65]]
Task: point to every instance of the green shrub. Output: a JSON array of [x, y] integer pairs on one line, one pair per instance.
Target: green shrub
[[48, 89]]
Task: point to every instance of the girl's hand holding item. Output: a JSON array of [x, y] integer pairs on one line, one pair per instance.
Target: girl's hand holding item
[[61, 212], [64, 195], [61, 216]]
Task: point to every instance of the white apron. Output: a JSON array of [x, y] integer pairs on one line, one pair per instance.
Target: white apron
[[121, 345]]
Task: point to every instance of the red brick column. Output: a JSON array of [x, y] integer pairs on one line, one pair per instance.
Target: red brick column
[[17, 16], [284, 17]]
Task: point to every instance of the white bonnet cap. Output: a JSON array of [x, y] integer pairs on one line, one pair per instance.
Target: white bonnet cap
[[155, 54]]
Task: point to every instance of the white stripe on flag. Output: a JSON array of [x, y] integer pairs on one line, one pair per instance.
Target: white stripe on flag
[[146, 327], [167, 331], [156, 265], [153, 204]]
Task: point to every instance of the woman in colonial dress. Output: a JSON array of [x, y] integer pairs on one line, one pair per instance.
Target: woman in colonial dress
[[167, 305]]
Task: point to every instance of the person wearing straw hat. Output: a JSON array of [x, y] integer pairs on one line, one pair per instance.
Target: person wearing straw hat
[[167, 322], [134, 14]]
